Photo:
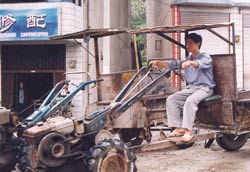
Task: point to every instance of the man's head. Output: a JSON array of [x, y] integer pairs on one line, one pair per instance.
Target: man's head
[[193, 42]]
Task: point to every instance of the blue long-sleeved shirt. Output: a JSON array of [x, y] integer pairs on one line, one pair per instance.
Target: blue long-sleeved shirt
[[201, 76]]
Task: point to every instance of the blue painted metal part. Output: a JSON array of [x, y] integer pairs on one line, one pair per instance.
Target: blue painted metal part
[[48, 107]]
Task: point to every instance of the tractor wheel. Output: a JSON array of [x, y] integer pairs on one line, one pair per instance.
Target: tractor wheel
[[110, 156], [8, 160], [29, 160], [131, 135], [231, 142], [2, 137], [52, 148]]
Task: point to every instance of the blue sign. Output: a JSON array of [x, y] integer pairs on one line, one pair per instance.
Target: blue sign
[[33, 24]]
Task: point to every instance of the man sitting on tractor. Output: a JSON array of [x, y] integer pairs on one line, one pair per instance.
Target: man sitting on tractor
[[182, 105]]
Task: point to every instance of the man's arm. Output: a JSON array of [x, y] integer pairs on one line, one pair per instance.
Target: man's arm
[[156, 64], [173, 64], [186, 64]]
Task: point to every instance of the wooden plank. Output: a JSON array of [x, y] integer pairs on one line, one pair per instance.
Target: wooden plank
[[170, 142]]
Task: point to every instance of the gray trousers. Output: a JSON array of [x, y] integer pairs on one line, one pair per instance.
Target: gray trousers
[[182, 106]]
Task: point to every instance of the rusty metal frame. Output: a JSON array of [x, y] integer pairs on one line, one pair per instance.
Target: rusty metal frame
[[161, 31]]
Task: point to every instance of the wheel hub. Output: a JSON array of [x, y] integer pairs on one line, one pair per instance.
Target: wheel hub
[[52, 148], [114, 163], [58, 150]]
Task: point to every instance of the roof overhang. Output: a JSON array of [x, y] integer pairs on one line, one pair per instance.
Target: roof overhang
[[178, 29], [213, 3], [90, 33], [243, 4], [98, 33]]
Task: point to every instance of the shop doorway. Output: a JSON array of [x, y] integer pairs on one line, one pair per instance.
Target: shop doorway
[[36, 87], [39, 67]]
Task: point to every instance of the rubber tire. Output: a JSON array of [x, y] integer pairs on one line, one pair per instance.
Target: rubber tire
[[2, 137], [97, 154], [230, 142], [131, 136], [185, 145], [8, 160], [25, 163], [7, 168], [208, 143]]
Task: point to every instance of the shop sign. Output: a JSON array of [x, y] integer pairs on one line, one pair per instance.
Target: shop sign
[[28, 24]]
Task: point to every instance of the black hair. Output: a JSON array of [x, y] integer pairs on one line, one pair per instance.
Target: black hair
[[195, 37]]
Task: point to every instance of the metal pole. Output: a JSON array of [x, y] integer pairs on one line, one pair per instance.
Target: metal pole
[[235, 85], [136, 53], [99, 91]]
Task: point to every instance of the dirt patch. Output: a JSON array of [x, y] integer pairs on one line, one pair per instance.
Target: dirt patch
[[195, 159]]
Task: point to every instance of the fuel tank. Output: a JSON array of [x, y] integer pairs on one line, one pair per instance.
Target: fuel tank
[[59, 124]]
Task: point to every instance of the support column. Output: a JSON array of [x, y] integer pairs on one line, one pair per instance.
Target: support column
[[158, 13]]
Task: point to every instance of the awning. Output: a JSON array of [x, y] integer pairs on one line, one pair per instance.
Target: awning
[[96, 33], [178, 29], [90, 33], [211, 3]]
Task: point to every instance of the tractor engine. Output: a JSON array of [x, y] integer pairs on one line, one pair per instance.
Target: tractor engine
[[53, 139]]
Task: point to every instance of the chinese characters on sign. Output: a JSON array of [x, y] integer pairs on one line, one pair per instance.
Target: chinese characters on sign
[[6, 22], [36, 21], [38, 24]]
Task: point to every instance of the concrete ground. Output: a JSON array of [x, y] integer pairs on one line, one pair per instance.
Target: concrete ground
[[195, 159]]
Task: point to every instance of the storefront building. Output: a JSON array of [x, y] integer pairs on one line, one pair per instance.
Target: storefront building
[[28, 55]]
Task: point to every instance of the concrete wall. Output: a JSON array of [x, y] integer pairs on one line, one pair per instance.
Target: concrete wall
[[114, 51], [159, 13]]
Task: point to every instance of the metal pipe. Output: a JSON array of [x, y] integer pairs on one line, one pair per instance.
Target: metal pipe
[[132, 89]]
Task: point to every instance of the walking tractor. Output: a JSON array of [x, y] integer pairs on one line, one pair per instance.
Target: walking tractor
[[15, 150], [133, 103]]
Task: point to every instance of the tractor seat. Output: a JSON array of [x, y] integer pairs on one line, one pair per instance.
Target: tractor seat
[[211, 99]]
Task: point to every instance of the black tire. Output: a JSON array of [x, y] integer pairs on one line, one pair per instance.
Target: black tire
[[185, 145], [208, 143], [110, 156], [6, 168], [131, 136], [2, 137], [8, 160], [231, 142], [29, 160]]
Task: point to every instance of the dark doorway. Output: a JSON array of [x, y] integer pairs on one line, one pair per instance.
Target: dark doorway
[[36, 86]]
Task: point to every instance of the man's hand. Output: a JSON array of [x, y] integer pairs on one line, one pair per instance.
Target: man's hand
[[185, 64], [157, 64], [153, 64]]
